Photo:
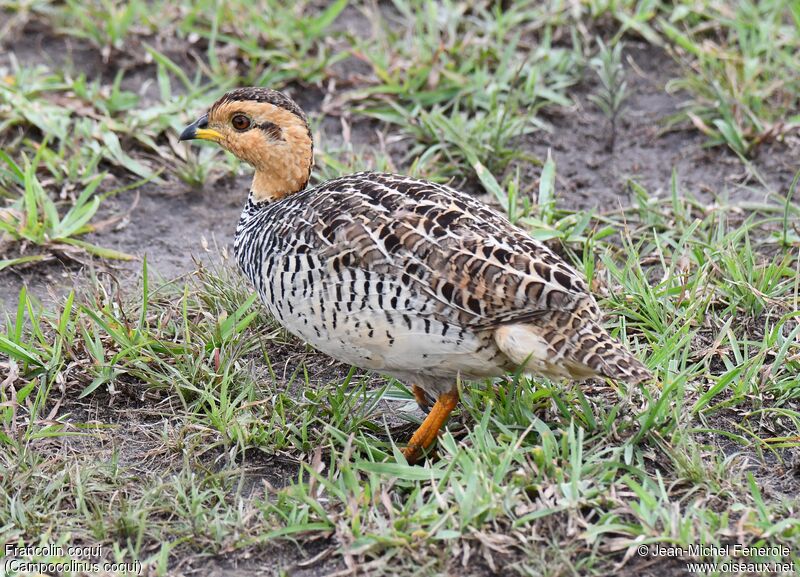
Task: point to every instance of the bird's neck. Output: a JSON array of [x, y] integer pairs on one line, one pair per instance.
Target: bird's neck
[[272, 185], [284, 167]]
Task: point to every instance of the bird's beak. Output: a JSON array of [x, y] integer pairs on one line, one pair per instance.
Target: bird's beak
[[199, 130]]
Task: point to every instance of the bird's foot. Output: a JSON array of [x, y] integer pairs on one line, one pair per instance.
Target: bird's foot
[[427, 432]]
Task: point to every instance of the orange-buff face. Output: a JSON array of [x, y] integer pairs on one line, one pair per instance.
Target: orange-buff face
[[264, 129]]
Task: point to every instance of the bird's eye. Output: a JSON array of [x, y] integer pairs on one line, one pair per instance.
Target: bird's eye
[[240, 122]]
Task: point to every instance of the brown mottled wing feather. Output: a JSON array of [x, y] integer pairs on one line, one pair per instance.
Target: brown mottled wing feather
[[483, 271]]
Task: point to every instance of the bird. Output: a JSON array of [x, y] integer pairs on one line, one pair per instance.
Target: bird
[[402, 276]]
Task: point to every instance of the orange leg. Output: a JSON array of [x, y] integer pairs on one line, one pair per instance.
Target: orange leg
[[423, 401], [429, 429]]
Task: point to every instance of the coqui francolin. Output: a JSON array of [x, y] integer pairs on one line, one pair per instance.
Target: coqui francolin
[[406, 277]]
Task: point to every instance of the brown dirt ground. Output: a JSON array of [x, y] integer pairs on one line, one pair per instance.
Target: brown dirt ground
[[167, 224], [592, 176]]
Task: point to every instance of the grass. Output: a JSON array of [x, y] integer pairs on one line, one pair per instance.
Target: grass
[[535, 456], [176, 425], [611, 94], [34, 217], [744, 85]]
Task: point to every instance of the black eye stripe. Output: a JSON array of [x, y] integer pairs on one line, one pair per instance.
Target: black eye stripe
[[273, 131]]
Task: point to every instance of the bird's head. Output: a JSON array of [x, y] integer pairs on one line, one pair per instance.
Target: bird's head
[[266, 129]]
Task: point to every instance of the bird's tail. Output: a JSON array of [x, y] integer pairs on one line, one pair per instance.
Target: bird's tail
[[596, 349], [585, 351]]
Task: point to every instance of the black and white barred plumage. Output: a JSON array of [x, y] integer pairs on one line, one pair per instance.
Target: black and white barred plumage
[[417, 280]]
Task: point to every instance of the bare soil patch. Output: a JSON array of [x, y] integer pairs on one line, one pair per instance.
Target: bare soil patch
[[591, 175]]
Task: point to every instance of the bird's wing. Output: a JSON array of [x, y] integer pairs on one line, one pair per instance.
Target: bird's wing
[[468, 258]]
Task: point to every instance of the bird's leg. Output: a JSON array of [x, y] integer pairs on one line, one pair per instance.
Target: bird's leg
[[423, 401], [425, 435]]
